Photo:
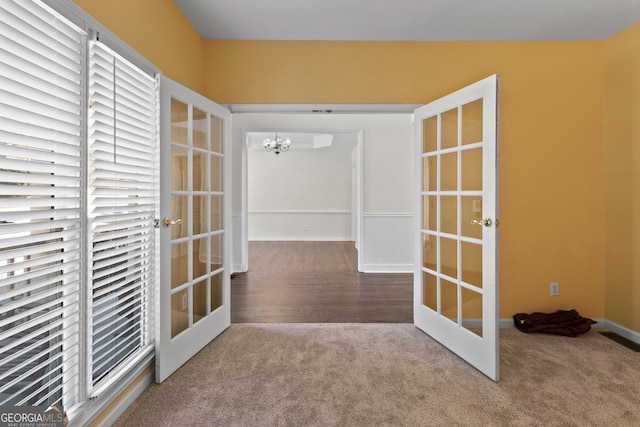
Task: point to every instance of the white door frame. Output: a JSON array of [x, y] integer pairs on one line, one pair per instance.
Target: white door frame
[[314, 109], [245, 188]]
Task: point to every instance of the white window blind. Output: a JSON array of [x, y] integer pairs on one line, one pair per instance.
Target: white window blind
[[40, 205], [122, 203]]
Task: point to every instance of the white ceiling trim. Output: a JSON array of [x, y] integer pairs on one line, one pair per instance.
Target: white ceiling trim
[[324, 108]]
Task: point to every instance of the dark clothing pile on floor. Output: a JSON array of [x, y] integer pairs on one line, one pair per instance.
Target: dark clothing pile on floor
[[562, 322]]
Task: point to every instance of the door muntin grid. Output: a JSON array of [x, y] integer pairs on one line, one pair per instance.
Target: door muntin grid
[[452, 193]]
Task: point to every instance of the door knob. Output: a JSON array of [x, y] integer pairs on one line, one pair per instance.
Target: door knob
[[486, 222], [168, 221]]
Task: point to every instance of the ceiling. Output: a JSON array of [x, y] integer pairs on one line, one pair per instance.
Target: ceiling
[[435, 20], [304, 140]]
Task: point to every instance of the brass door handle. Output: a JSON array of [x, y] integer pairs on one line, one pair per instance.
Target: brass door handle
[[168, 221], [486, 222]]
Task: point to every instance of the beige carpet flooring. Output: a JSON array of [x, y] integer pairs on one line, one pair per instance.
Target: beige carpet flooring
[[392, 375]]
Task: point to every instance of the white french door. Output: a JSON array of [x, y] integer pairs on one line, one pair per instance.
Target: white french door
[[456, 280], [194, 225]]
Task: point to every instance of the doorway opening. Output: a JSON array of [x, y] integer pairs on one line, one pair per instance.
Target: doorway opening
[[295, 240], [312, 192]]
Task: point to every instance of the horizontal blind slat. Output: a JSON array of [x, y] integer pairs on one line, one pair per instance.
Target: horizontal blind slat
[[101, 258], [125, 270], [127, 135], [108, 221], [65, 253], [132, 150], [46, 144], [124, 191], [31, 243], [118, 238], [35, 226], [138, 221], [47, 129], [39, 202], [121, 173], [41, 167], [109, 209], [55, 247], [122, 159], [40, 190], [104, 184], [102, 133], [117, 168], [107, 175], [70, 273], [16, 217], [21, 152]]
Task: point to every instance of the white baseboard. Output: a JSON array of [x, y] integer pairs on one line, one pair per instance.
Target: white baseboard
[[388, 268], [127, 400], [620, 330], [300, 239]]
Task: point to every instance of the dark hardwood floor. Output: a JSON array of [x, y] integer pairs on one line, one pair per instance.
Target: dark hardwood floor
[[316, 282]]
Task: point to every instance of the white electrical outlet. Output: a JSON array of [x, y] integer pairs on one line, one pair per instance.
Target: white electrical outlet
[[554, 288], [185, 301]]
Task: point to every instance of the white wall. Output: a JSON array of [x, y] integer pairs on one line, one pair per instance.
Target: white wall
[[388, 168], [299, 195]]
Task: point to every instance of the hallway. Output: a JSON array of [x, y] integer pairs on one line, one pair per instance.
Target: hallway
[[316, 282]]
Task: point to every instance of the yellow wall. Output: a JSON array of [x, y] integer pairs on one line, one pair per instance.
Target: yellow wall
[[159, 31], [552, 126], [551, 130], [622, 177]]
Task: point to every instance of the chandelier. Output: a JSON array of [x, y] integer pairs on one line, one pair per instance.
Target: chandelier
[[276, 145]]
